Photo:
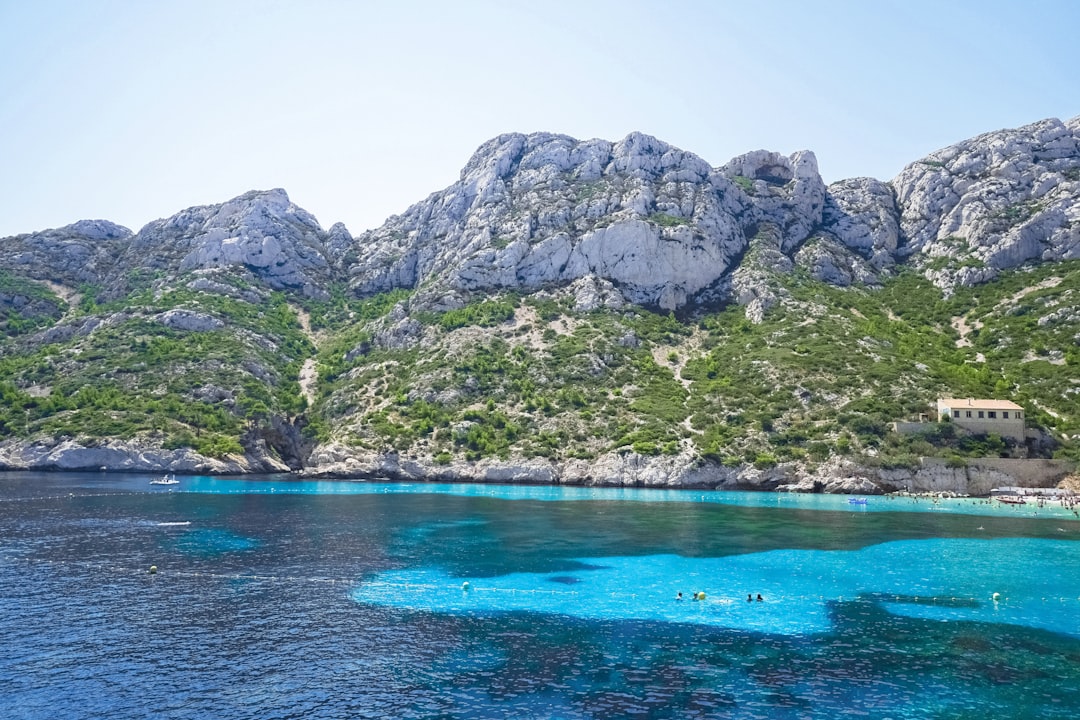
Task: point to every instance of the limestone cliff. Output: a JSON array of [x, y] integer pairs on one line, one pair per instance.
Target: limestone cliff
[[994, 202], [538, 210], [661, 224]]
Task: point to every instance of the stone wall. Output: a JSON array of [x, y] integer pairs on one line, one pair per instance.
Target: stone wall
[[1011, 428], [913, 428]]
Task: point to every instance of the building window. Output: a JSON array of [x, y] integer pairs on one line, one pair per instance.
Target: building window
[[968, 413], [956, 413], [992, 414], [1004, 414], [980, 413]]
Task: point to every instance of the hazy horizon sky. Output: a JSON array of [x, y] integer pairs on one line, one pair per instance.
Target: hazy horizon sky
[[130, 111]]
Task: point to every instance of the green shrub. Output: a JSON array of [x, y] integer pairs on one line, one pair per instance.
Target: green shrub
[[645, 448], [764, 461], [743, 182], [486, 313]]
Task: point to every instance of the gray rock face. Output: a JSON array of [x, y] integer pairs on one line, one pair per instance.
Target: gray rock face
[[751, 285], [995, 201], [278, 242], [659, 225], [397, 331], [542, 210], [787, 191], [859, 236], [861, 214], [204, 282], [189, 320], [592, 293], [832, 262], [664, 228], [124, 455], [262, 233], [27, 306], [79, 253], [78, 327]]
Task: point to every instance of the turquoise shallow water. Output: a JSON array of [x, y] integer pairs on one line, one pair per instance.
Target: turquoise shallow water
[[279, 598], [931, 579], [555, 493]]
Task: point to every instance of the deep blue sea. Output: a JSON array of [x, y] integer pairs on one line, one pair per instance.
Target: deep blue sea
[[278, 598]]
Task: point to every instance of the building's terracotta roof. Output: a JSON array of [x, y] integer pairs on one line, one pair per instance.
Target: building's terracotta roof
[[978, 404]]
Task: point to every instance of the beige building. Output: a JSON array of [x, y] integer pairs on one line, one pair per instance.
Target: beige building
[[1001, 417]]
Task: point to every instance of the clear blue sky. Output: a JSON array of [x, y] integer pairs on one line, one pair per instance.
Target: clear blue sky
[[131, 110]]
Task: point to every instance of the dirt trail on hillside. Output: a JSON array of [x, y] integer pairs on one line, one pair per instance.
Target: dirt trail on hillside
[[959, 324], [309, 373]]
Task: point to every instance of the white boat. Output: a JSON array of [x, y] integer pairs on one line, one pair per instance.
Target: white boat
[[165, 480]]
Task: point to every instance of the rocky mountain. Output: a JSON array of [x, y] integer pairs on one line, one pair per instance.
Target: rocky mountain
[[994, 202], [81, 253], [519, 318], [666, 228]]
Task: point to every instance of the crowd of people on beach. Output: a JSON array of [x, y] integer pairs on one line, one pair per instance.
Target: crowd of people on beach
[[1039, 498]]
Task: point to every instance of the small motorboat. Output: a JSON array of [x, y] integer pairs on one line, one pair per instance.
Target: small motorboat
[[1011, 500], [856, 501], [165, 480]]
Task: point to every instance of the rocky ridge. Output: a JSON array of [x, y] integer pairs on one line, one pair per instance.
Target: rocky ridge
[[994, 202], [537, 210], [659, 223]]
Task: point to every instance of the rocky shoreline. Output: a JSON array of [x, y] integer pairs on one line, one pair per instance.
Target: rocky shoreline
[[684, 471]]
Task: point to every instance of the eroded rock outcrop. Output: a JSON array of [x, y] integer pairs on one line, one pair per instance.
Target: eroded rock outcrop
[[261, 233], [544, 210], [859, 235], [76, 254], [123, 455], [659, 224], [264, 232], [540, 210], [994, 202], [685, 471]]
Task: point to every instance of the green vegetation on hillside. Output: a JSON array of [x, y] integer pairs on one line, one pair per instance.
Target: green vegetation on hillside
[[822, 375], [121, 372], [26, 305], [825, 373]]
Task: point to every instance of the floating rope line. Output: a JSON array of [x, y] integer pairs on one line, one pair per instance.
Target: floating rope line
[[79, 496]]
